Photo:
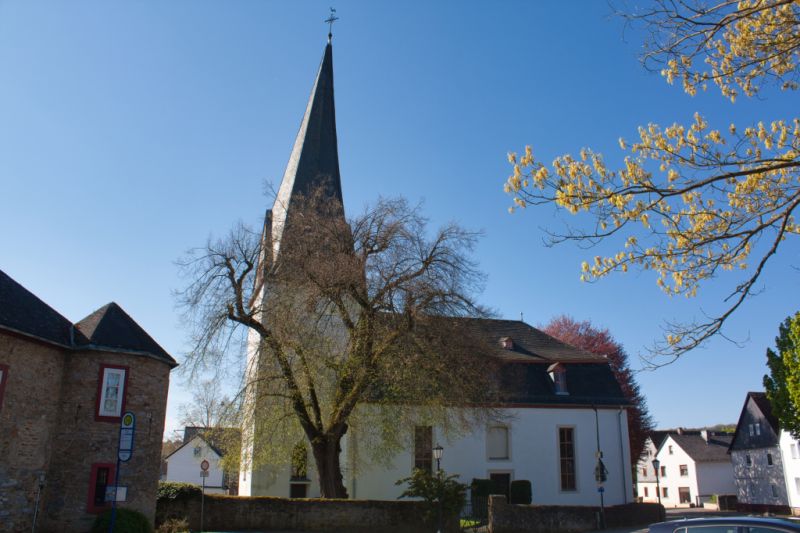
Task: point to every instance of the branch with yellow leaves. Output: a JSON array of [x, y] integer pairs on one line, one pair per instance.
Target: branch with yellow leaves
[[688, 203]]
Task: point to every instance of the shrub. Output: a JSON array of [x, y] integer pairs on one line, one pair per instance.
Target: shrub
[[433, 487], [172, 490], [520, 492], [481, 488], [126, 521], [174, 525]]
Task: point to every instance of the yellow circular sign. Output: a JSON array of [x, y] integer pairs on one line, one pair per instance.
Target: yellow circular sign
[[127, 419]]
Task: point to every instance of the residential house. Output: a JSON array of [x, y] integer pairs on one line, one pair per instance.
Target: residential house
[[63, 390], [562, 409], [694, 467], [766, 460], [645, 471], [202, 444]]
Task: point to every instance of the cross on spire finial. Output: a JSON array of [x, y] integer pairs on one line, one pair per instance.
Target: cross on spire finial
[[330, 20]]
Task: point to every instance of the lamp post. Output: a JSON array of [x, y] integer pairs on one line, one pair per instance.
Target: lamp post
[[437, 454], [656, 465]]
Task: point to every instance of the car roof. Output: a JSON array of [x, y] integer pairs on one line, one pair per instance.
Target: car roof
[[722, 520]]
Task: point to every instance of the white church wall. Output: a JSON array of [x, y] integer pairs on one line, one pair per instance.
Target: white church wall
[[534, 455]]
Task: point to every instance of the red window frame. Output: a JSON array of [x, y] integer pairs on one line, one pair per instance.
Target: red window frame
[[97, 415], [90, 505], [3, 381]]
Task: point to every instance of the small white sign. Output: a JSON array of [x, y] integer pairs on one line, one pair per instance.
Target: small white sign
[[121, 493], [204, 473]]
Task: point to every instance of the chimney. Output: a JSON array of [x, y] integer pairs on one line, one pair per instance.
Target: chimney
[[704, 434], [680, 431]]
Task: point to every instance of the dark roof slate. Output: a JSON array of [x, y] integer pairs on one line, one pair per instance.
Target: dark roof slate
[[107, 328], [217, 438], [529, 344], [24, 312], [763, 403], [111, 327], [702, 451], [314, 161]]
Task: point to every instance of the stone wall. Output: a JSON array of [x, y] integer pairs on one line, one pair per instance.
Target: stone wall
[[268, 513], [507, 518], [27, 420], [82, 440], [47, 426]]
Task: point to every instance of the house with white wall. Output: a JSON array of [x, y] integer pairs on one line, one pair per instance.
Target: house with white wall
[[766, 460], [184, 464], [693, 467], [645, 472]]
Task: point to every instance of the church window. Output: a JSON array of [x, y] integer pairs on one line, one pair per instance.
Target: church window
[[3, 380], [423, 448], [497, 442], [111, 392], [566, 449], [793, 448]]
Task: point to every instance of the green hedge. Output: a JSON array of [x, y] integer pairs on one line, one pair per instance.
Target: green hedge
[[172, 490], [126, 521], [520, 492]]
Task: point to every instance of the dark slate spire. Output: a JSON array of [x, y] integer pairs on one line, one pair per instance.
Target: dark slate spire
[[314, 162]]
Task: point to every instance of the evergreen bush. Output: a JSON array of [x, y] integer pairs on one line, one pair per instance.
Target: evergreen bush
[[126, 521], [520, 492]]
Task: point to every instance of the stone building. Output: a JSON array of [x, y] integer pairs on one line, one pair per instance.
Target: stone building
[[63, 389]]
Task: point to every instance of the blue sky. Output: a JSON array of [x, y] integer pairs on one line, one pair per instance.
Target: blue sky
[[130, 132]]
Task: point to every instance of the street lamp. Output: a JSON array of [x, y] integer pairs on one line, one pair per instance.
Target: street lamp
[[437, 454], [656, 465]]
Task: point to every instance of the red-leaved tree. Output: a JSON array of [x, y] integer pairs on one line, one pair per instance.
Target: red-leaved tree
[[587, 337]]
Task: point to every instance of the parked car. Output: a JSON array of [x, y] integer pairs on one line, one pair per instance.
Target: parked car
[[733, 524]]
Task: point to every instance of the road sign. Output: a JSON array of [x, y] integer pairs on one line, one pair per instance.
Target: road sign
[[204, 473], [126, 431], [204, 466]]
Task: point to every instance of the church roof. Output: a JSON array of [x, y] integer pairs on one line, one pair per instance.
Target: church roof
[[22, 311], [314, 161], [111, 327], [528, 344]]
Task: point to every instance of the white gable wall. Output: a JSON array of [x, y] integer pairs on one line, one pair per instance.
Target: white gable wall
[[184, 466], [673, 480]]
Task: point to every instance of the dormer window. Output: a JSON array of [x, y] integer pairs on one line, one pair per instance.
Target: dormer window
[[558, 375], [507, 343]]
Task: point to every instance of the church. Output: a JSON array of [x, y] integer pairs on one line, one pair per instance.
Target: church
[[563, 427]]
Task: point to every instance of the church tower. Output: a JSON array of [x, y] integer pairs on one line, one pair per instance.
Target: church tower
[[313, 168]]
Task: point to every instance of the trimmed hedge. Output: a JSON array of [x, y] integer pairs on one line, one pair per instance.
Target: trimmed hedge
[[171, 490], [520, 492], [126, 521]]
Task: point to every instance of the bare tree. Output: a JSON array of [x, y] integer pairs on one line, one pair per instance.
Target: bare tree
[[353, 320], [208, 409]]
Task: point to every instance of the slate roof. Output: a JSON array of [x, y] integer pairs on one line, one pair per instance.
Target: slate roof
[[658, 437], [21, 311], [715, 450], [529, 343], [524, 377], [107, 328], [763, 403], [111, 327], [314, 161]]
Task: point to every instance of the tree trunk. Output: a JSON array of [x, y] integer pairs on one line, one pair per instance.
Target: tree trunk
[[327, 450]]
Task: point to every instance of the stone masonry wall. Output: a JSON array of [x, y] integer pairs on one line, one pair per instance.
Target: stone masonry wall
[[269, 514], [81, 440], [508, 518], [27, 419]]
